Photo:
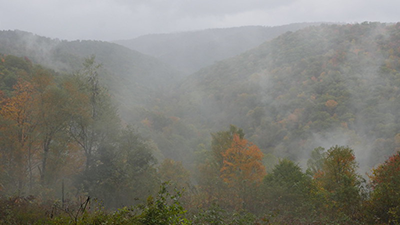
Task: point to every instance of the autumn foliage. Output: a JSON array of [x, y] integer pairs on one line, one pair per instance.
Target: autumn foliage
[[331, 104], [385, 182], [242, 162], [318, 85], [386, 172]]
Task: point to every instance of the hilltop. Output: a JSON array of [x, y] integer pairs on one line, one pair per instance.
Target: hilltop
[[193, 50]]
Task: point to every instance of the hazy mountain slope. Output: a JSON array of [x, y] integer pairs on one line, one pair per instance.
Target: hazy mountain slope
[[326, 85], [190, 51], [131, 76]]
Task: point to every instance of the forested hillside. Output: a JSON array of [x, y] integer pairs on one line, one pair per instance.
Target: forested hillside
[[318, 86], [65, 130], [191, 51], [303, 129], [131, 77]]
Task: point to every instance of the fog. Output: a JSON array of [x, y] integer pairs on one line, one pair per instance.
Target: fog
[[119, 19], [121, 96]]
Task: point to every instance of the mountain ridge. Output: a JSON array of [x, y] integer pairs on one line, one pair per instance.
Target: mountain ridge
[[192, 50]]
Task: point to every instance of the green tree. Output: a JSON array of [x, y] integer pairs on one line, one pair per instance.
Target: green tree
[[339, 183], [165, 208], [96, 120], [212, 186], [288, 191], [222, 140], [124, 171], [53, 118]]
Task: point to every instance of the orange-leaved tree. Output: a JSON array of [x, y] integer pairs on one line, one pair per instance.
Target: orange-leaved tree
[[242, 167], [210, 165], [385, 182], [242, 162], [19, 117]]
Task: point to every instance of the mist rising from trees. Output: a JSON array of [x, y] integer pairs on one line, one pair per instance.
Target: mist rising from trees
[[313, 111]]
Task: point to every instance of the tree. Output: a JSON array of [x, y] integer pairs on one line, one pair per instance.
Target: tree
[[20, 115], [178, 177], [96, 119], [221, 141], [210, 180], [385, 196], [53, 116], [36, 115], [124, 170], [339, 183], [242, 168], [174, 173], [287, 189], [331, 104], [242, 162]]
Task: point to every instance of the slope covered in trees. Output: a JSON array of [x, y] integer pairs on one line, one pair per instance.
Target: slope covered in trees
[[61, 135], [132, 78], [191, 51], [333, 87], [321, 85]]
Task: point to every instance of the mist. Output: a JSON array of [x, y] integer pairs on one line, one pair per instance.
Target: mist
[[243, 111]]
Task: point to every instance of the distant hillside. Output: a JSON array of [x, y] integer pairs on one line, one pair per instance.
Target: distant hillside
[[190, 51], [131, 76], [319, 86]]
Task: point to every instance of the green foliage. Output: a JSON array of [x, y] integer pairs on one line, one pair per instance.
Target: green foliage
[[174, 173], [287, 190], [215, 215], [123, 171], [164, 209], [222, 140], [11, 67], [301, 86], [288, 175], [313, 81], [19, 210], [339, 184], [210, 180], [67, 129]]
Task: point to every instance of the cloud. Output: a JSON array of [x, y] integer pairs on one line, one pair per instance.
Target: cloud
[[123, 19]]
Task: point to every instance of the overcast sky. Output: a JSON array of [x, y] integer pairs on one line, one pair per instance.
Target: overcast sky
[[125, 19]]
